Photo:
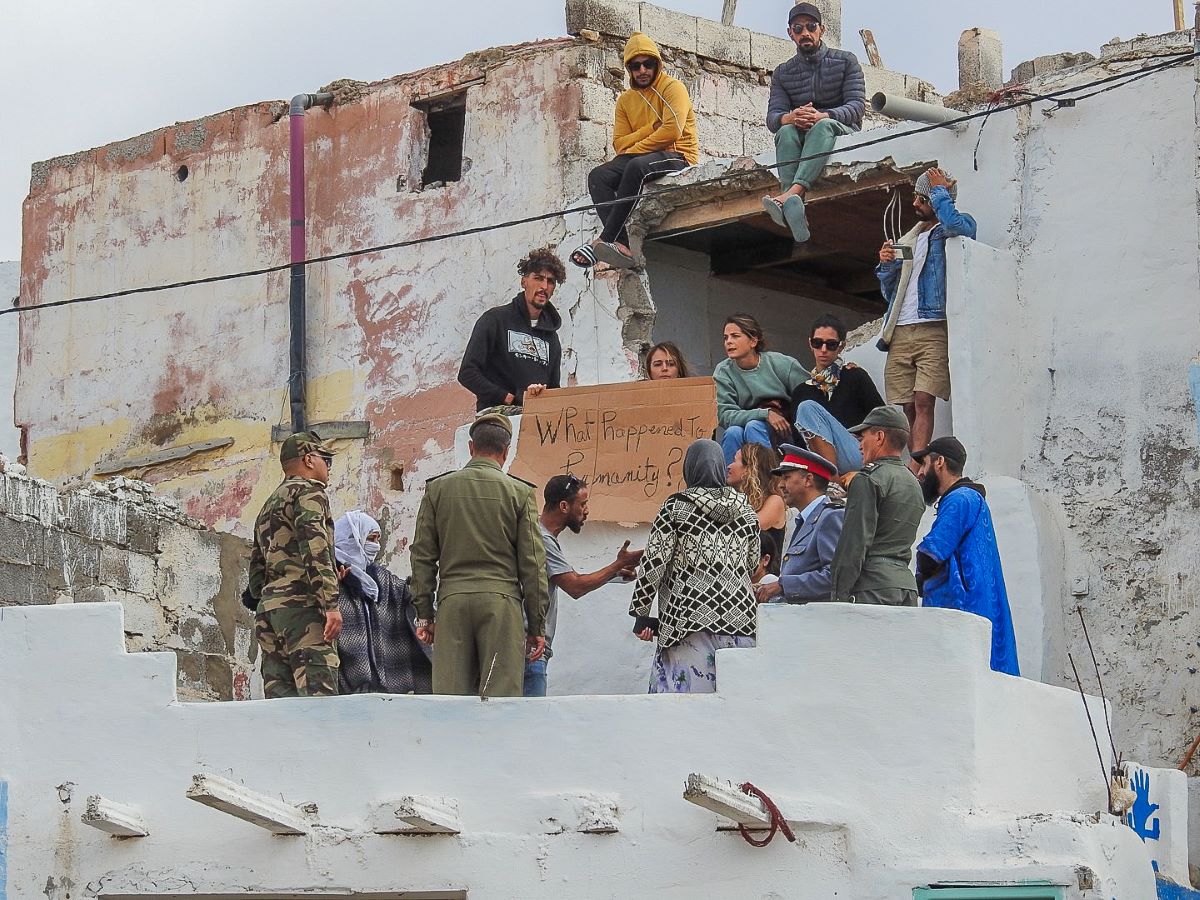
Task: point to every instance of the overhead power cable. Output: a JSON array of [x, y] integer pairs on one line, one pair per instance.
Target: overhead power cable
[[1064, 97]]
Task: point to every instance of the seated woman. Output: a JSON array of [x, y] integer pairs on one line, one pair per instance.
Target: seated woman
[[750, 473], [378, 645], [754, 387], [664, 360], [837, 396], [702, 549]]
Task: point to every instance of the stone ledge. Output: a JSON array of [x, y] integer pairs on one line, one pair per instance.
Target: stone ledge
[[694, 34]]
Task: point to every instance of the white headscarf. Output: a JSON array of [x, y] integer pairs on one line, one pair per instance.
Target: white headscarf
[[349, 539]]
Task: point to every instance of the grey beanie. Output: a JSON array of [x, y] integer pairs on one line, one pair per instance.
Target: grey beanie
[[922, 187]]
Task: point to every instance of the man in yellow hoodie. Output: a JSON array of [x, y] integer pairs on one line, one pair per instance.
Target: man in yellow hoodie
[[655, 133]]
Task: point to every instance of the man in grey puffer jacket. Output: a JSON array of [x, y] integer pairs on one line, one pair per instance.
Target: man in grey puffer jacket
[[816, 96]]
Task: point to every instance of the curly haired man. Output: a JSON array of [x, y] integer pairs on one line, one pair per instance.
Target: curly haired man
[[514, 353]]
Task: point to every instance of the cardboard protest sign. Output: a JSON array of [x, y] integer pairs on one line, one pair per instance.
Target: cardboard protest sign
[[626, 441]]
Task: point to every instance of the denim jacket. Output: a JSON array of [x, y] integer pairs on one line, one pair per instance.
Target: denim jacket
[[931, 285]]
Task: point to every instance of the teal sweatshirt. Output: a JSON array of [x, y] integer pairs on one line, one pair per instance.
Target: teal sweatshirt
[[740, 392]]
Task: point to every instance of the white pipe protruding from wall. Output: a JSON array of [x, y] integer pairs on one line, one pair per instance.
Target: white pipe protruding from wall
[[914, 110]]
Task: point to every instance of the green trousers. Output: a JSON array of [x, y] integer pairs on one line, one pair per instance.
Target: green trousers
[[479, 646], [792, 144], [297, 661]]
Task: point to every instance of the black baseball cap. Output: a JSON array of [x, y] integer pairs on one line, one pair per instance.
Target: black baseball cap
[[804, 9], [948, 447]]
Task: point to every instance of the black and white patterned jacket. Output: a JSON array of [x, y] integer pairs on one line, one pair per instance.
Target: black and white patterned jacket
[[831, 80], [702, 549]]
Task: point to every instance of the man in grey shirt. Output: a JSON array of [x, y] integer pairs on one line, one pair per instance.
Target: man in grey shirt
[[566, 506]]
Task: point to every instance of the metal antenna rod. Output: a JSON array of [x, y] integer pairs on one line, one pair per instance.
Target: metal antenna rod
[[1095, 740]]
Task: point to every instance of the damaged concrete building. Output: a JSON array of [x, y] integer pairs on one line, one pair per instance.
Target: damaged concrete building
[[1074, 336], [1082, 417]]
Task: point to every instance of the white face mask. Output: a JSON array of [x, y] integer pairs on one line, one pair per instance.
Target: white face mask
[[371, 548]]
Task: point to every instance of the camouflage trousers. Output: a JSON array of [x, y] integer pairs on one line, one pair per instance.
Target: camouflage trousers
[[297, 660]]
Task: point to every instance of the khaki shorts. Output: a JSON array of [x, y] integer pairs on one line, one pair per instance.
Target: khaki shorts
[[918, 360]]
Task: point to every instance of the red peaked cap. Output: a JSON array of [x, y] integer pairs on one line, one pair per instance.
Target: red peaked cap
[[798, 458]]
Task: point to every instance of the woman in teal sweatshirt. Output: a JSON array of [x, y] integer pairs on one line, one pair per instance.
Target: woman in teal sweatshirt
[[754, 387]]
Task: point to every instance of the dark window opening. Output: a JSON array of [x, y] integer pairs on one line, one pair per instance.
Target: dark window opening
[[181, 174], [446, 122], [745, 263]]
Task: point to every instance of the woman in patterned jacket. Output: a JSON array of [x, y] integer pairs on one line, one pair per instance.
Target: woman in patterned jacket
[[703, 548]]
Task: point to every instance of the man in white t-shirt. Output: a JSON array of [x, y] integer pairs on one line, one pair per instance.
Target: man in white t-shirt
[[566, 506], [912, 276]]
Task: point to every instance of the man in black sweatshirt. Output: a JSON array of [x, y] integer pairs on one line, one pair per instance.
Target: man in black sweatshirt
[[514, 353]]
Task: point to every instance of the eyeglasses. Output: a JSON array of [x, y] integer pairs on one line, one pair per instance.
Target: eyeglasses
[[328, 460], [648, 64], [921, 198], [828, 343], [801, 27]]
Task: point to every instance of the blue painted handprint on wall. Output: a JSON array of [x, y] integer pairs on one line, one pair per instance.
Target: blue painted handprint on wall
[[1138, 817]]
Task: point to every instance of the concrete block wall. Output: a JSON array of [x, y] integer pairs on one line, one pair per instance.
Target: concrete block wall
[[177, 580]]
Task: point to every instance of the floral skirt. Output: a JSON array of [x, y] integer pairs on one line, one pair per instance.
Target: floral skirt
[[690, 667]]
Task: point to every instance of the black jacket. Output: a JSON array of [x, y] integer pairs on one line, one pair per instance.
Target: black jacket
[[854, 397], [505, 354], [829, 79]]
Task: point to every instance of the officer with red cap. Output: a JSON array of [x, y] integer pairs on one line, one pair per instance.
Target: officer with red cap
[[804, 574]]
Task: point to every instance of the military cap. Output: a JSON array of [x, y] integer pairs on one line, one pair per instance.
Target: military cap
[[798, 459], [882, 417], [492, 419], [948, 447], [303, 442]]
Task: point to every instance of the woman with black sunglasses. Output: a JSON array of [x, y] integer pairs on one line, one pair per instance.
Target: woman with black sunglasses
[[836, 397]]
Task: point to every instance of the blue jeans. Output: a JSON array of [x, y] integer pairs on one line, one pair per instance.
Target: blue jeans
[[757, 432], [814, 419], [535, 678]]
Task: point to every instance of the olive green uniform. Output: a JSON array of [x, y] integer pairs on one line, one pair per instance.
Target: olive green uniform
[[477, 541], [883, 509], [292, 573]]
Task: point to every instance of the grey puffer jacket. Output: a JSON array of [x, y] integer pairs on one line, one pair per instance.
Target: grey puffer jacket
[[831, 80]]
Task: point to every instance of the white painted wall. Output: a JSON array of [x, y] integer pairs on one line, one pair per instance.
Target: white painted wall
[[10, 438], [900, 758], [1083, 392]]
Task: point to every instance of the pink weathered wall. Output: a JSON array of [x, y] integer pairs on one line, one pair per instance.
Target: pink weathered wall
[[101, 382]]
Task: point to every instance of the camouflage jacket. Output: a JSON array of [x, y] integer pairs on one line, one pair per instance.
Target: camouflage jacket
[[292, 563]]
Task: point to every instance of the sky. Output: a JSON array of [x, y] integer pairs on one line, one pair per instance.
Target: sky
[[83, 73]]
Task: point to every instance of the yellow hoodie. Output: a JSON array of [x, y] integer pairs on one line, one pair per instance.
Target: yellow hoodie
[[659, 117]]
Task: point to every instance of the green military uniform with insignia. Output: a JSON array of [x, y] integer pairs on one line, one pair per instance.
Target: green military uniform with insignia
[[478, 547], [294, 577], [884, 506]]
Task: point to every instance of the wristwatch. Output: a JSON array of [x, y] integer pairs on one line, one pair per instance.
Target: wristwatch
[[423, 623]]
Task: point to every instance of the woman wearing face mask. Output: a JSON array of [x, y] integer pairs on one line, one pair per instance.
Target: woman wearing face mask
[[378, 646]]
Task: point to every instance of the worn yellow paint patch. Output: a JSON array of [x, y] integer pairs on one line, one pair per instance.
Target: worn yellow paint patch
[[63, 456], [332, 396]]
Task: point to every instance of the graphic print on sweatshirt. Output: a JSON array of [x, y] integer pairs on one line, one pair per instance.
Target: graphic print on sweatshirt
[[528, 346]]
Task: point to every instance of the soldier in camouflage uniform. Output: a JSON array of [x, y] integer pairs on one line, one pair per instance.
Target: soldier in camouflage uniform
[[294, 577]]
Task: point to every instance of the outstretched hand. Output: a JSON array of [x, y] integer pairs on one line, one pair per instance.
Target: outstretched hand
[[628, 559]]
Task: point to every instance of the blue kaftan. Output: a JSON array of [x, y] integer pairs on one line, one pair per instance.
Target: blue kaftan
[[963, 539]]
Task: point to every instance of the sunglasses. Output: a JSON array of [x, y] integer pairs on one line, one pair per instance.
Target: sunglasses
[[648, 64], [328, 460], [801, 27], [828, 344]]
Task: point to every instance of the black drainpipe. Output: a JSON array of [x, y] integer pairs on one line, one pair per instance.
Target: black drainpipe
[[297, 356]]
